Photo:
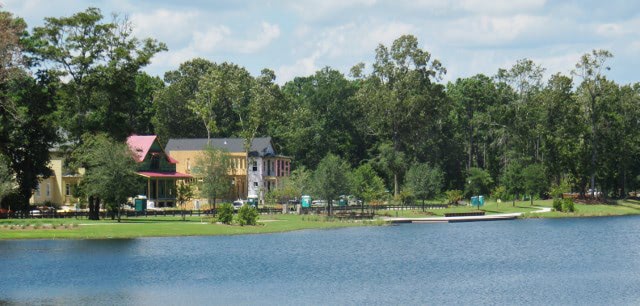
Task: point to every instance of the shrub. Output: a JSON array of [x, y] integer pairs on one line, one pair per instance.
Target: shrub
[[557, 204], [568, 205], [225, 213], [453, 196], [499, 193], [247, 215]]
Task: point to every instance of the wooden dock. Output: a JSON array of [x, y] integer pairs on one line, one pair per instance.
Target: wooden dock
[[497, 217]]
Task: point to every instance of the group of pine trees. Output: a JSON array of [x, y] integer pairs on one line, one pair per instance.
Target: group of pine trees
[[81, 75]]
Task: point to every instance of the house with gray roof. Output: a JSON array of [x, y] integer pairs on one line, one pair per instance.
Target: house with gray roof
[[253, 174]]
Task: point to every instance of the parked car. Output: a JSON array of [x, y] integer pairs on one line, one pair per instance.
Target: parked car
[[237, 204], [319, 203]]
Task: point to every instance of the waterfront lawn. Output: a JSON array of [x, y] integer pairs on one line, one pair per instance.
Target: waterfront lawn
[[617, 208], [155, 227]]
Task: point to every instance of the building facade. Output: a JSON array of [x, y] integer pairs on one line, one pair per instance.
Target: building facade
[[59, 188], [252, 175], [158, 168]]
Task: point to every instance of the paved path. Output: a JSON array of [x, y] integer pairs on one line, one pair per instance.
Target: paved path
[[495, 217]]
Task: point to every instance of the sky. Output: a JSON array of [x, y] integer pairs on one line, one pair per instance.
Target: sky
[[298, 37]]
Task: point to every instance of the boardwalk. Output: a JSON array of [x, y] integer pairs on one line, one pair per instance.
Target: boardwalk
[[495, 217]]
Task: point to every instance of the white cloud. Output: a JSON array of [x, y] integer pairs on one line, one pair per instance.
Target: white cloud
[[302, 67], [559, 61], [475, 7], [211, 39], [319, 9], [268, 33], [165, 25], [501, 6], [166, 61], [495, 31]]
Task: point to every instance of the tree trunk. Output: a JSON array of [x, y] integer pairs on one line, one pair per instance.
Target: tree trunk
[[395, 185], [593, 146], [469, 161], [94, 208]]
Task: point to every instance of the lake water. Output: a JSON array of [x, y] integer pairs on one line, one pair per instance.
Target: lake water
[[565, 261]]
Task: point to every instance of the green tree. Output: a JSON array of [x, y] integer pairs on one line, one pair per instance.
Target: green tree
[[473, 96], [392, 162], [535, 180], [100, 61], [110, 172], [222, 98], [11, 30], [297, 184], [424, 180], [142, 109], [211, 169], [563, 128], [173, 118], [330, 179], [401, 101], [366, 184], [7, 183], [321, 109], [590, 69], [184, 194], [478, 182], [499, 193], [513, 180], [26, 132]]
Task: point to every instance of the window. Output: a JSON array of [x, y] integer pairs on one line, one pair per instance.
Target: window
[[255, 184], [67, 189], [255, 165], [48, 190], [155, 162], [37, 190]]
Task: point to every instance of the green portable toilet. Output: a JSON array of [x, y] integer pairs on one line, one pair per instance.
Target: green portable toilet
[[305, 201], [342, 202], [475, 201], [252, 201], [141, 204]]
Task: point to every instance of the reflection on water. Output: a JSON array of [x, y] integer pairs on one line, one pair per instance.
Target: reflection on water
[[570, 261]]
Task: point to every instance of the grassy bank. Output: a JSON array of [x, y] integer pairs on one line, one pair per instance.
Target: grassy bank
[[617, 208], [156, 227], [202, 226]]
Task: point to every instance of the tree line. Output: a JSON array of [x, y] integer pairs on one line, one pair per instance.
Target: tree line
[[511, 133]]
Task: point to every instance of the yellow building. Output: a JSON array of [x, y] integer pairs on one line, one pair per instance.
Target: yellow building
[[58, 188], [265, 168]]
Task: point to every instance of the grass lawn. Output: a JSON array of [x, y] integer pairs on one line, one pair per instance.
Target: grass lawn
[[618, 208], [69, 228], [155, 227]]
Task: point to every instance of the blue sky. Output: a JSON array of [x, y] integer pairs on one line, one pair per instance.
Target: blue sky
[[296, 38]]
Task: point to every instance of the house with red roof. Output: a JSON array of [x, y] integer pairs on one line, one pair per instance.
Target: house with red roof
[[158, 168]]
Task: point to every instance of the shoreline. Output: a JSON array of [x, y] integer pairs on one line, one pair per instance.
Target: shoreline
[[160, 226]]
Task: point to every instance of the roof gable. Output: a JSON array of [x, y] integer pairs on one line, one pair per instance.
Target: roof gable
[[140, 146]]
